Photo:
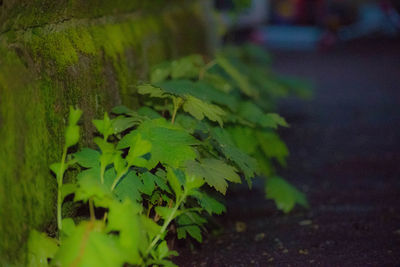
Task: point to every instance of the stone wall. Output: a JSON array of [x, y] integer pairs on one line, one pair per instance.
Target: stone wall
[[86, 53]]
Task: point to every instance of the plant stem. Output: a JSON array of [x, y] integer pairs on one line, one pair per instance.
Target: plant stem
[[91, 210], [165, 224], [116, 180], [60, 176], [177, 102], [176, 107], [102, 170]]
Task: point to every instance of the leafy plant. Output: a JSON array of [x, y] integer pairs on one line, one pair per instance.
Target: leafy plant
[[155, 171]]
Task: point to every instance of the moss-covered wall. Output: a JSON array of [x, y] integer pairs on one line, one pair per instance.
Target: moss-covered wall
[[87, 53]]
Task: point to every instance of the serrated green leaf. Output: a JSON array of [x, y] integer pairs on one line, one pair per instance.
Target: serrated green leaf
[[104, 126], [107, 151], [89, 186], [121, 109], [138, 148], [166, 212], [284, 194], [193, 182], [150, 180], [244, 138], [187, 67], [129, 188], [190, 124], [273, 146], [188, 223], [171, 144], [240, 79], [253, 113], [148, 112], [87, 157], [200, 109], [153, 91], [218, 82], [89, 246], [149, 183], [163, 251], [208, 203], [121, 123], [40, 249], [224, 144], [151, 228], [214, 172], [119, 163]]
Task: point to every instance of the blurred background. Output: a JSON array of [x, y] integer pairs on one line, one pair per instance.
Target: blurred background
[[308, 24]]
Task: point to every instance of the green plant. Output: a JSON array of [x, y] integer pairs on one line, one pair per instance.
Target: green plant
[[157, 170]]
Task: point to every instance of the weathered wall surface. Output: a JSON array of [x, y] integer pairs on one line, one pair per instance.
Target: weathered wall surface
[[71, 52]]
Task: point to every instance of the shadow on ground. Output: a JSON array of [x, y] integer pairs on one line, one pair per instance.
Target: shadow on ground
[[345, 154]]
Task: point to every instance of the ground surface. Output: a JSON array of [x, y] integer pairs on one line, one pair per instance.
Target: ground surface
[[345, 154]]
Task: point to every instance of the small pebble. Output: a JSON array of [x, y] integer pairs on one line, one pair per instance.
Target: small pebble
[[271, 259], [305, 222], [259, 237], [303, 251], [240, 227], [285, 251]]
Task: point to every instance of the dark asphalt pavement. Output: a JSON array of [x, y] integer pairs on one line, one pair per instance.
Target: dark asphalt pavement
[[345, 154]]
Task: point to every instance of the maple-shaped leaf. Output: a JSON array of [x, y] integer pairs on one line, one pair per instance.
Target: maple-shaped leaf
[[200, 89], [171, 144], [240, 79], [150, 181], [218, 81], [210, 204], [272, 146], [200, 109], [138, 148], [223, 143], [129, 187], [244, 138], [89, 186], [215, 172], [153, 91], [190, 223], [194, 101], [253, 113], [284, 194]]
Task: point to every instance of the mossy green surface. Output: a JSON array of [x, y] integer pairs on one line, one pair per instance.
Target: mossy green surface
[[90, 61]]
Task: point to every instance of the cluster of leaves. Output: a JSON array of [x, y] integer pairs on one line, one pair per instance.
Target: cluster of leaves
[[156, 171]]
